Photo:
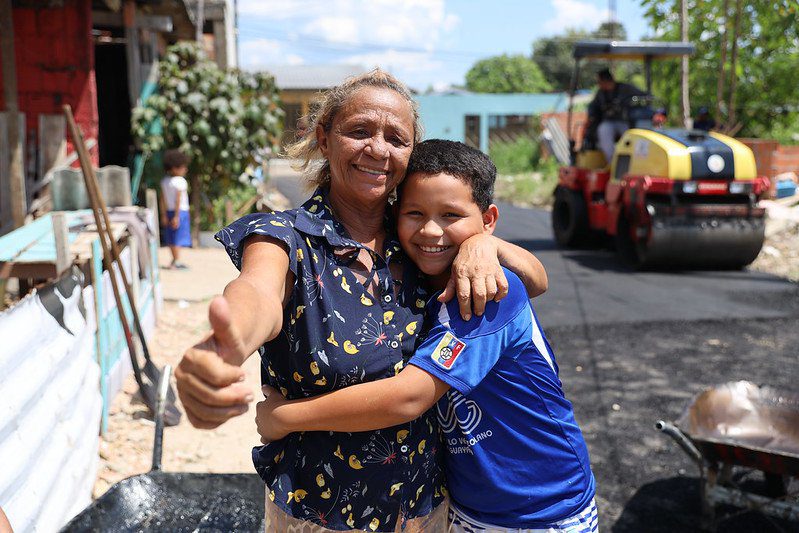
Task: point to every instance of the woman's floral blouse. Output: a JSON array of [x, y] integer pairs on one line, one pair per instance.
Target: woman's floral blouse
[[337, 334]]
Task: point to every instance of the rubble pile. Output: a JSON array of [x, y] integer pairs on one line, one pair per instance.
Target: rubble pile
[[780, 253]]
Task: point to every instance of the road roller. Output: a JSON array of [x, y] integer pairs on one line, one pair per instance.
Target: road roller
[[669, 198]]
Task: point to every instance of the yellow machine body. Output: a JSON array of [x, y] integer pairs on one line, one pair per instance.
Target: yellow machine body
[[682, 155]]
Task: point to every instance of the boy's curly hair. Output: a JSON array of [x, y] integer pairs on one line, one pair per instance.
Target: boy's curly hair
[[174, 158]]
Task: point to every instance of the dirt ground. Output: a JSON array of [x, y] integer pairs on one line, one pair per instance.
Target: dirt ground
[[780, 253]]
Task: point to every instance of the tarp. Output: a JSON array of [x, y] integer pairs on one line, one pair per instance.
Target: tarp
[[50, 413]]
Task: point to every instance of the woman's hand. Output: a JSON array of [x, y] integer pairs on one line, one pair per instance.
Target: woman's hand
[[477, 276], [269, 427], [210, 382], [175, 222]]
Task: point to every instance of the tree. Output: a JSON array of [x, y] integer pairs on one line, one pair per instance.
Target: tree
[[610, 30], [222, 119], [763, 97], [506, 74], [553, 55]]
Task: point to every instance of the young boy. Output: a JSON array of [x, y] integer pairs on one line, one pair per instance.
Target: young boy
[[516, 459], [175, 205]]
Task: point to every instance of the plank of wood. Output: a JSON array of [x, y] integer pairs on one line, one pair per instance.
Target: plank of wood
[[52, 142]]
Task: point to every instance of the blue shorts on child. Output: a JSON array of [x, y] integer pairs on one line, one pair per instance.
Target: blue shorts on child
[[180, 236]]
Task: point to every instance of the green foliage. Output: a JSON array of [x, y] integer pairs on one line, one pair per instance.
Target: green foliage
[[523, 176], [786, 132], [217, 214], [768, 51], [224, 120], [528, 188], [506, 74], [519, 155], [553, 55]]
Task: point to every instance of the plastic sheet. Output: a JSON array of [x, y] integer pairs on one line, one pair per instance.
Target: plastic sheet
[[160, 501]]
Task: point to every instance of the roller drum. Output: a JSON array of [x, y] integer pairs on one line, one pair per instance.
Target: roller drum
[[720, 242]]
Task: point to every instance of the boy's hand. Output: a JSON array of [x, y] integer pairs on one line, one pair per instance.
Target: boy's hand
[[209, 378], [164, 220], [477, 276], [175, 222], [269, 425]]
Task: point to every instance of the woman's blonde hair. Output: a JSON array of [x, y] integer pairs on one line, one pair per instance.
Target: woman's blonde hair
[[306, 150]]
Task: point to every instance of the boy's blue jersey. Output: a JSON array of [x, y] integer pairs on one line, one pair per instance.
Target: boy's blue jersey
[[516, 457]]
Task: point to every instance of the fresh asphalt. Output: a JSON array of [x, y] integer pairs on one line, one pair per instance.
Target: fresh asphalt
[[634, 347]]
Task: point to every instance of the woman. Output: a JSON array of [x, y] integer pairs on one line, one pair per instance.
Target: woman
[[326, 296]]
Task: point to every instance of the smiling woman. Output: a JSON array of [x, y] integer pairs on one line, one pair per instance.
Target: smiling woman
[[328, 298]]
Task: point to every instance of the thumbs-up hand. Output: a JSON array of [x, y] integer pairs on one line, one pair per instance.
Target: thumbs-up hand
[[209, 378]]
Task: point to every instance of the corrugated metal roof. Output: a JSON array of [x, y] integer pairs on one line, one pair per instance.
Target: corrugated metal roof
[[312, 76]]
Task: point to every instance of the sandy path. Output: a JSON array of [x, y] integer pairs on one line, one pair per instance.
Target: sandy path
[[126, 449]]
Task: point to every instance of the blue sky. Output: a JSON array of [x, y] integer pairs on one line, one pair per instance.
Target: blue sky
[[424, 42]]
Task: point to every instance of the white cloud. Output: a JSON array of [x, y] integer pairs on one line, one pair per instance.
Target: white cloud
[[339, 29], [257, 52], [398, 62], [278, 9], [411, 23], [575, 14], [398, 36]]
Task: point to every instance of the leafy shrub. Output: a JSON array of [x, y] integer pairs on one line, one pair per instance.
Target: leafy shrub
[[513, 157], [223, 119]]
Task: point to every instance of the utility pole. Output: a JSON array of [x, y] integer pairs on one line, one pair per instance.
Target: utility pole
[[200, 22], [612, 17], [16, 178], [686, 105]]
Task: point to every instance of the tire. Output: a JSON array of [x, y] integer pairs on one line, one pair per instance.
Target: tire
[[625, 246], [569, 217], [632, 252]]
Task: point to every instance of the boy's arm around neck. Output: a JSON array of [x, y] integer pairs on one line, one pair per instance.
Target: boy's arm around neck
[[363, 407], [525, 265]]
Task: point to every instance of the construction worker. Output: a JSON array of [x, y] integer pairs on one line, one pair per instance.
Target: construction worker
[[608, 111]]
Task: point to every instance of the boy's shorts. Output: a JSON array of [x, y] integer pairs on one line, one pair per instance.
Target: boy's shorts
[[180, 236], [585, 521]]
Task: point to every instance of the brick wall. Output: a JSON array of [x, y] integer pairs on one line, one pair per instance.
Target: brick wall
[[55, 65], [771, 158]]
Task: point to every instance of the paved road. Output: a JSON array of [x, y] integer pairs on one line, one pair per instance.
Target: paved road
[[634, 347]]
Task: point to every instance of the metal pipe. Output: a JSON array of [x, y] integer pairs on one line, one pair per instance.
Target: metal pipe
[[682, 441], [572, 90], [160, 407]]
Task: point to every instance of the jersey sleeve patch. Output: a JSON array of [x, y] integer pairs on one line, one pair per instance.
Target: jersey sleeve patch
[[447, 350]]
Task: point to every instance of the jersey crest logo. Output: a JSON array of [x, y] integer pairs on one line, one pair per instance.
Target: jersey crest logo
[[447, 350]]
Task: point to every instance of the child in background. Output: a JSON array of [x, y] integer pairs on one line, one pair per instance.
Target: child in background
[[175, 205], [516, 459]]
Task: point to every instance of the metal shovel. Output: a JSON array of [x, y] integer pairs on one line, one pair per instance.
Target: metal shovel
[[149, 378]]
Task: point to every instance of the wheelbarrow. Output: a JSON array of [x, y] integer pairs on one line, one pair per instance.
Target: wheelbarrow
[[735, 429], [172, 501]]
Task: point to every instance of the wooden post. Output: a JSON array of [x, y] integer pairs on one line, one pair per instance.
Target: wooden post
[[62, 258], [198, 35], [19, 204], [133, 271], [228, 212], [102, 328], [686, 105], [151, 201], [132, 53]]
